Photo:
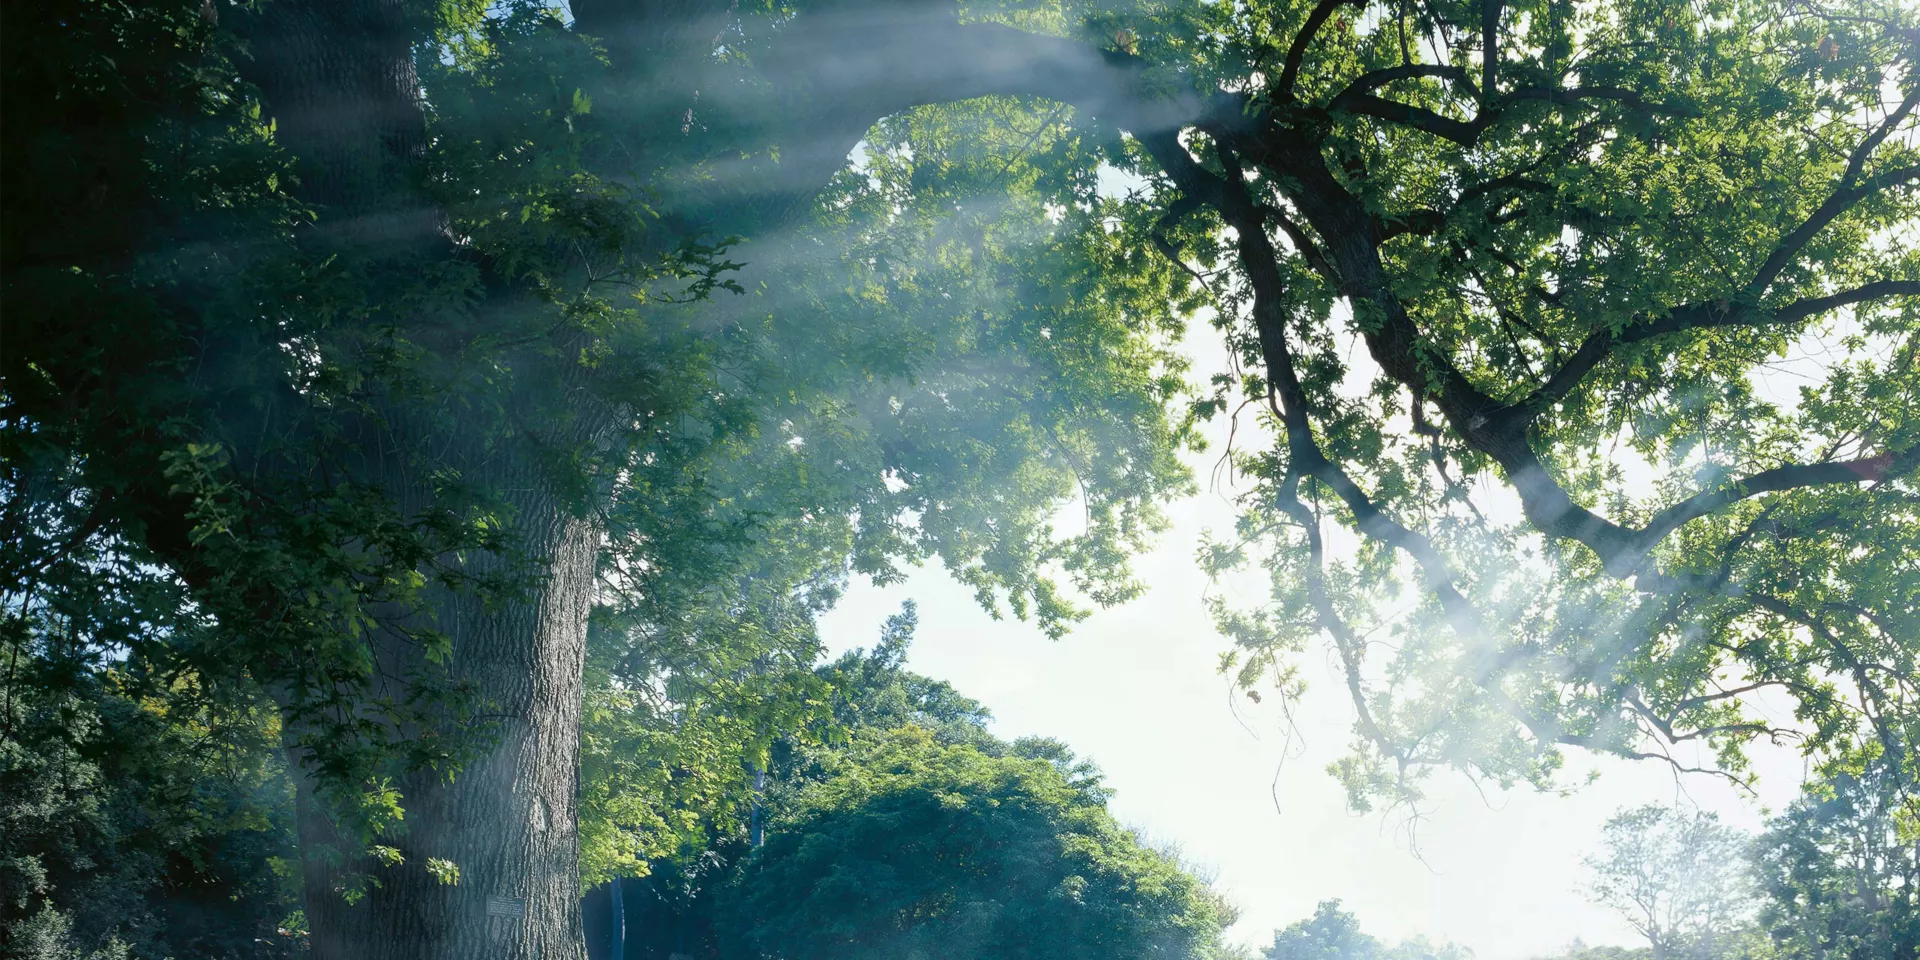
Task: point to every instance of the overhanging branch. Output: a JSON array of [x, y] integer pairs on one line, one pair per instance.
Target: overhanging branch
[[1700, 316], [914, 54]]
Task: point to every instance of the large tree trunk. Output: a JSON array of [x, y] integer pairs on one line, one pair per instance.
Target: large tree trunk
[[506, 819], [337, 77]]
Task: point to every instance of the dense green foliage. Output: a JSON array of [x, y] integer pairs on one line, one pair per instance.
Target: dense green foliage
[[169, 836], [259, 410], [1840, 869], [896, 825], [918, 849], [1586, 229], [138, 818]]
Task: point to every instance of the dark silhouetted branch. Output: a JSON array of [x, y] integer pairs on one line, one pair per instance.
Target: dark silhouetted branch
[[1700, 316], [1489, 48], [1375, 79], [1840, 201], [1467, 133], [1463, 132], [1792, 477], [1297, 51]]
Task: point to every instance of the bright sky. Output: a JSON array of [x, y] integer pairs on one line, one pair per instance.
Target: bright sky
[[1135, 689]]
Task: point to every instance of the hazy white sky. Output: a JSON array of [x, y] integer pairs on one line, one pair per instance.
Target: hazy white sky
[[1135, 689]]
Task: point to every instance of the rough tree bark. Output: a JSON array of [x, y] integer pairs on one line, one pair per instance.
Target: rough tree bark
[[338, 79], [507, 819]]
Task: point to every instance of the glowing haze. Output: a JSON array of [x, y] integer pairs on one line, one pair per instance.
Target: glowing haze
[[1245, 796]]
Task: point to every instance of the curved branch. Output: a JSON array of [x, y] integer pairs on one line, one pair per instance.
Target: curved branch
[[1778, 479], [1840, 201], [1374, 79], [1297, 51], [1297, 235], [1699, 316], [1858, 160], [1260, 259], [1877, 290], [1305, 457], [1176, 212], [1467, 133], [1463, 132]]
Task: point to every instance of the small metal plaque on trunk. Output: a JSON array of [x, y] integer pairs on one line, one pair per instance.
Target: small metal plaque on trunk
[[510, 907]]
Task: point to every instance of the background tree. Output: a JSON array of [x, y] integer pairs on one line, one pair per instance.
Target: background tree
[[955, 841], [1678, 877], [138, 821], [918, 849], [1579, 950], [1841, 868], [1334, 934]]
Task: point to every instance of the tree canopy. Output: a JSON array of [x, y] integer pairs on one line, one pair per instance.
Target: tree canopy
[[1334, 934], [917, 849], [897, 825], [1841, 868], [499, 391], [1679, 878]]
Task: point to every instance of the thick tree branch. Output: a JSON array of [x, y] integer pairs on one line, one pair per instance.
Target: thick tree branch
[[1792, 477], [1498, 430], [1404, 353], [1310, 251], [1463, 132], [1700, 316], [1175, 212], [1843, 198], [1397, 345], [1351, 238], [1489, 48], [1297, 51], [1375, 79], [1858, 160], [1467, 133], [1305, 457], [840, 73], [1877, 290]]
